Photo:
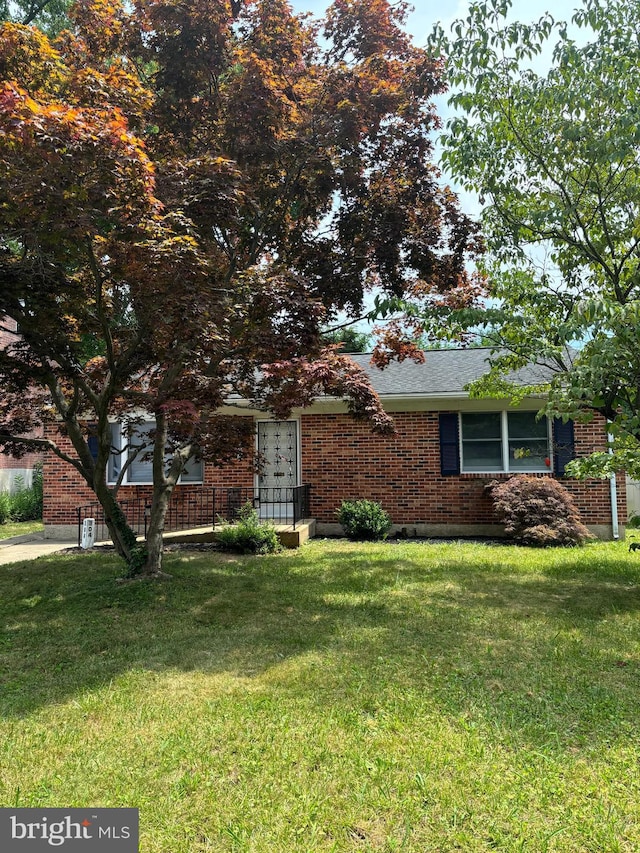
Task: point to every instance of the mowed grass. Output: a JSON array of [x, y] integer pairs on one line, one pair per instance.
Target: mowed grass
[[17, 528], [395, 697]]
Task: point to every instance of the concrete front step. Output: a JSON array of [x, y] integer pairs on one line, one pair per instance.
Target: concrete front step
[[289, 536]]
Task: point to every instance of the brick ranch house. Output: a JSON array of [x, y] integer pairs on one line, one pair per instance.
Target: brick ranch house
[[430, 476]]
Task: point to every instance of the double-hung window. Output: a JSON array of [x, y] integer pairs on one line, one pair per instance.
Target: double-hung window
[[136, 444], [504, 442]]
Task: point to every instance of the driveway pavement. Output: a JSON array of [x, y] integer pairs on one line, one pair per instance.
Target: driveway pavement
[[29, 546]]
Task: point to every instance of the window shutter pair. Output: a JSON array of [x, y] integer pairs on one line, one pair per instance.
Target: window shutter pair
[[563, 445]]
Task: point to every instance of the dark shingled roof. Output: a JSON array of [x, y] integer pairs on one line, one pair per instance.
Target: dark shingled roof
[[444, 373]]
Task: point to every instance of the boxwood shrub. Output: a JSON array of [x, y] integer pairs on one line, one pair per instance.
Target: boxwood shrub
[[364, 520], [248, 535]]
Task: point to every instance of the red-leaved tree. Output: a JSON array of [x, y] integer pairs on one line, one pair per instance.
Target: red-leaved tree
[[189, 194]]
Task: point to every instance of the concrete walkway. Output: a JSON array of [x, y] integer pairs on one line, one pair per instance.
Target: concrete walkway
[[29, 546]]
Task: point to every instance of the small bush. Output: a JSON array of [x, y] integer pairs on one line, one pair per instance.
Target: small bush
[[364, 520], [5, 507], [537, 511], [24, 504], [249, 535]]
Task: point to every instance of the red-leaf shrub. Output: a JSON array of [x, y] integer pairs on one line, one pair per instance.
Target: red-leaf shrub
[[537, 511]]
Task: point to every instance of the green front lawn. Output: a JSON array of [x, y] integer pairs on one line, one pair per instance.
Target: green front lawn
[[394, 697], [17, 528]]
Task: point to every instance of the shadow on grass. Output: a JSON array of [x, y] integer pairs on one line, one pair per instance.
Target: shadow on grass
[[538, 642]]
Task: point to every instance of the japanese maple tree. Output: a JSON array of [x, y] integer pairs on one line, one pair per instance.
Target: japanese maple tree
[[189, 195]]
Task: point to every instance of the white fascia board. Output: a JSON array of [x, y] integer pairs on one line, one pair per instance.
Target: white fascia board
[[241, 408], [423, 403], [398, 403], [131, 415]]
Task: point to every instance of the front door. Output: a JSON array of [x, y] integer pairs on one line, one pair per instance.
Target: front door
[[278, 448]]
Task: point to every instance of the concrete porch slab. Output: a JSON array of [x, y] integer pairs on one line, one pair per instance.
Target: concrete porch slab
[[289, 536]]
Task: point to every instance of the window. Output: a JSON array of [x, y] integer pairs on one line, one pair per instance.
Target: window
[[504, 441], [137, 446]]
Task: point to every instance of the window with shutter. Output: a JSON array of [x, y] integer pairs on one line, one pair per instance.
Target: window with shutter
[[563, 444], [494, 442], [137, 445], [449, 444]]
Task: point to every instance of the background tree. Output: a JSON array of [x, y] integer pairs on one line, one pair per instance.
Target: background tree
[[349, 339], [189, 194], [50, 16], [555, 158]]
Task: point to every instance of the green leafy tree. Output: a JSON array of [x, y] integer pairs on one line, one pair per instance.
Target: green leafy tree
[[50, 16], [555, 159], [349, 339]]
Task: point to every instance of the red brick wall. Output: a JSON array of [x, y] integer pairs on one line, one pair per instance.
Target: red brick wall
[[341, 459], [65, 490], [30, 459], [26, 461], [7, 337]]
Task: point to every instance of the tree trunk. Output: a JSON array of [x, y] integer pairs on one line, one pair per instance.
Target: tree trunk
[[95, 475], [145, 560], [154, 545], [163, 484], [122, 536]]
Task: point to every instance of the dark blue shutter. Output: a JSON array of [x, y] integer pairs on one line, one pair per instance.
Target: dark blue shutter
[[449, 445], [563, 445], [92, 443]]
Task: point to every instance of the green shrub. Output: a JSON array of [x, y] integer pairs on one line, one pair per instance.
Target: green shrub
[[537, 511], [24, 504], [364, 520], [248, 535], [5, 507]]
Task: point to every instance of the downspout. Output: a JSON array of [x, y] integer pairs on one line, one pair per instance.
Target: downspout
[[613, 488]]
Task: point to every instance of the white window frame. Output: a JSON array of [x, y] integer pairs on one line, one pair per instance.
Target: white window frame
[[504, 440], [124, 453]]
